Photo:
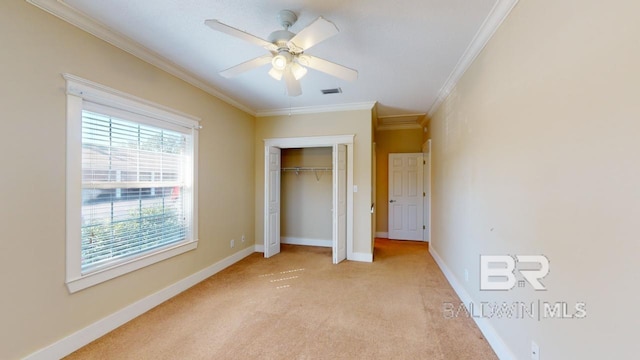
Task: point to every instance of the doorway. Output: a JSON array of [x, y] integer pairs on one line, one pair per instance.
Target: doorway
[[342, 194]]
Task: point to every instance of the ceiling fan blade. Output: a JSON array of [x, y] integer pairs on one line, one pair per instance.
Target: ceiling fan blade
[[328, 67], [293, 85], [318, 31], [218, 26], [246, 66]]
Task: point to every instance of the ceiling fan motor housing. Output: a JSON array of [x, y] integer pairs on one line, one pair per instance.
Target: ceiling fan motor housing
[[280, 38]]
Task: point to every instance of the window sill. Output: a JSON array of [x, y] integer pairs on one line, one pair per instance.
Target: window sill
[[106, 274]]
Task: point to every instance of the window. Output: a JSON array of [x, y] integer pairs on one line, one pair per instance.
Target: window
[[130, 183]]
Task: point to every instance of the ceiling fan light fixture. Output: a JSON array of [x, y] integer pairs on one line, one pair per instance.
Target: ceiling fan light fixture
[[281, 60], [298, 71], [276, 74]]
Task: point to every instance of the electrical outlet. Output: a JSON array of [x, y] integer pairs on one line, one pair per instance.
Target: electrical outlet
[[466, 275], [242, 240], [232, 243], [535, 351]]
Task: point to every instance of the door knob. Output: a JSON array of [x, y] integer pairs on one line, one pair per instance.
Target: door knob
[[392, 201]]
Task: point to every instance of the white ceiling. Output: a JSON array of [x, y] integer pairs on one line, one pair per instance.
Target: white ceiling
[[408, 53]]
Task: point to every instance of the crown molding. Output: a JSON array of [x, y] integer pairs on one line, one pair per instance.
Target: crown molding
[[492, 22], [374, 116], [425, 121], [60, 9], [317, 109], [382, 125], [74, 17], [398, 127]]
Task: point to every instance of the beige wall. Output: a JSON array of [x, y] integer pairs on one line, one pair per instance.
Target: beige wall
[[392, 141], [35, 307], [356, 122], [536, 151], [307, 197]]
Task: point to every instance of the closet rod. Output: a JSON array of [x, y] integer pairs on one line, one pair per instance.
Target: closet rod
[[307, 169]]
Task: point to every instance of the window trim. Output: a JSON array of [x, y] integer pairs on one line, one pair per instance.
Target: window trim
[[78, 91]]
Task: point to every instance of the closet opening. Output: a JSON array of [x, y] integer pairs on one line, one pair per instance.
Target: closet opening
[[306, 199], [306, 196]]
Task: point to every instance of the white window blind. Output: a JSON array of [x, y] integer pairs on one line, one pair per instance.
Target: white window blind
[[133, 189]]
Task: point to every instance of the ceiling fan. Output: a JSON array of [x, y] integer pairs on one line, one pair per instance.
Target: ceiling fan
[[287, 56]]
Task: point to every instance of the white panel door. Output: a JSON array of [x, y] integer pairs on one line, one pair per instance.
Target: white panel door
[[339, 203], [272, 218], [406, 196]]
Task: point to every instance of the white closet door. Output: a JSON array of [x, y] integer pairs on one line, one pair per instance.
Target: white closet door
[[339, 203], [272, 217]]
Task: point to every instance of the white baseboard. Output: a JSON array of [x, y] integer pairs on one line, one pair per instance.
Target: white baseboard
[[495, 340], [307, 242], [84, 336], [384, 235], [362, 257]]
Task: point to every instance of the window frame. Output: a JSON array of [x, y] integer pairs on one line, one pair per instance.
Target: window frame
[[79, 92]]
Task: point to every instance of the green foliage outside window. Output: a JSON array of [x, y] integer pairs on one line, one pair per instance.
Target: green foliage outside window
[[142, 231]]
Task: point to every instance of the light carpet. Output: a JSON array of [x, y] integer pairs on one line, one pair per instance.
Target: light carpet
[[298, 305]]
